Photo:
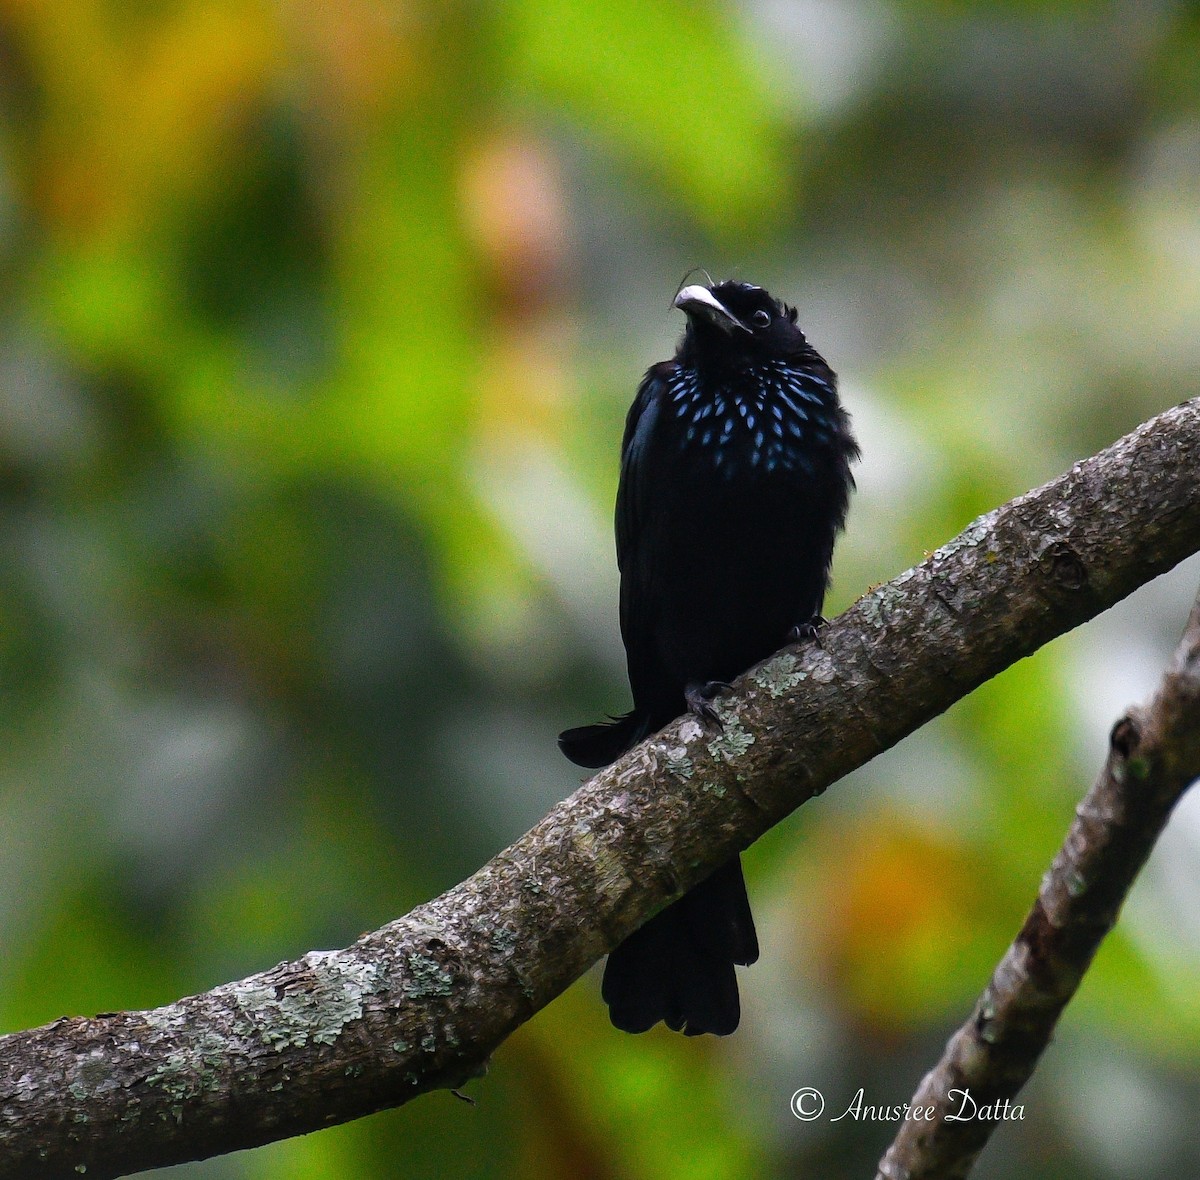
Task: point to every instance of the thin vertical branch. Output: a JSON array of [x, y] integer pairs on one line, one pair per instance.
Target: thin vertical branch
[[1154, 756]]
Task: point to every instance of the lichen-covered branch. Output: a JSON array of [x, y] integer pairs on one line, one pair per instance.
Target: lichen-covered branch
[[1154, 757], [422, 1002]]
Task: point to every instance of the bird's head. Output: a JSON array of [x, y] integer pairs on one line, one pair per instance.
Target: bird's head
[[733, 319]]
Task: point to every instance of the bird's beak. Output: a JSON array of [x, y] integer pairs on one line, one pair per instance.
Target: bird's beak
[[700, 301]]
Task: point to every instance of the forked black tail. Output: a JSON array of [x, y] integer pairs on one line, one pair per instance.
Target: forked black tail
[[679, 966]]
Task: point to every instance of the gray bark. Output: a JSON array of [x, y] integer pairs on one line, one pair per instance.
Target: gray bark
[[422, 1002]]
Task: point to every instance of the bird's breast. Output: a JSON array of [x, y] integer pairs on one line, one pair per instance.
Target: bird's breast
[[772, 420]]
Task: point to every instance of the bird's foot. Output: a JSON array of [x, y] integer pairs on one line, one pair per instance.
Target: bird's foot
[[699, 699], [803, 632]]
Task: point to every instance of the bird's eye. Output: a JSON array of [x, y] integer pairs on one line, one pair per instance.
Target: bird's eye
[[762, 318]]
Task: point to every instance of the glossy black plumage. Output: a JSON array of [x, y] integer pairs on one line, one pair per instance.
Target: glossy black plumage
[[735, 479]]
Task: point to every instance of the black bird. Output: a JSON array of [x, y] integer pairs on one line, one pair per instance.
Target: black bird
[[735, 479]]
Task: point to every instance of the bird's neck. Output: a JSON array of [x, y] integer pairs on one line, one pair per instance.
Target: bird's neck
[[743, 374]]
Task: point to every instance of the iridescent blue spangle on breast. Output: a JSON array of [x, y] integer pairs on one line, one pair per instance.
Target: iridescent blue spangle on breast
[[779, 429]]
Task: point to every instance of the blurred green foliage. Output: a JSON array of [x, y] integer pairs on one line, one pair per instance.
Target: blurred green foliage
[[317, 326]]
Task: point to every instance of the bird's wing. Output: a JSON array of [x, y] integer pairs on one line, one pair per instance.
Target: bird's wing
[[631, 493], [598, 745], [634, 512]]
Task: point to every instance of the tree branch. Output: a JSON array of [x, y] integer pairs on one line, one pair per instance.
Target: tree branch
[[1154, 756], [422, 1002]]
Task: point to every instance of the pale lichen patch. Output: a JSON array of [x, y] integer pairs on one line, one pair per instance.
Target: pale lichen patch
[[428, 977], [192, 1069], [504, 940], [733, 741], [779, 676], [978, 530], [822, 669], [878, 606], [314, 1005], [677, 763]]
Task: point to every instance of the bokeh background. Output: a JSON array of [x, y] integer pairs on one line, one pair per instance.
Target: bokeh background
[[318, 321]]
